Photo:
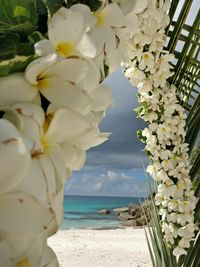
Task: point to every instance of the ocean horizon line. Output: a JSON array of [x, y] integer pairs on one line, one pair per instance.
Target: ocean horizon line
[[142, 197]]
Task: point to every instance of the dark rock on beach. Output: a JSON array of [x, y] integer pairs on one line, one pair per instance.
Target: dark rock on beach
[[123, 216], [104, 211], [125, 209], [134, 215], [131, 216]]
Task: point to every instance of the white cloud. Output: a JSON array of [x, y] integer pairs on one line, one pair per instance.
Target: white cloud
[[111, 183], [98, 186]]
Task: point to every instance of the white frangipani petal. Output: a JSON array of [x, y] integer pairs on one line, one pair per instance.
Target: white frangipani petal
[[5, 252], [27, 249], [90, 139], [74, 156], [30, 110], [92, 78], [111, 15], [70, 69], [37, 179], [75, 124], [35, 69], [101, 98], [132, 23], [125, 5], [70, 153], [140, 6], [87, 46], [66, 95], [15, 88], [29, 216], [80, 161], [49, 258], [49, 174], [89, 18], [65, 26], [57, 207], [57, 160], [44, 47], [12, 153]]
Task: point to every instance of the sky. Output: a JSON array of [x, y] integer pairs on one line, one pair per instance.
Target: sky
[[115, 168]]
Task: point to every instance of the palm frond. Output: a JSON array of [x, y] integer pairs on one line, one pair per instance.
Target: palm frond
[[184, 43]]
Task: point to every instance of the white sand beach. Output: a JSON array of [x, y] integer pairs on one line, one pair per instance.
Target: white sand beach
[[101, 248]]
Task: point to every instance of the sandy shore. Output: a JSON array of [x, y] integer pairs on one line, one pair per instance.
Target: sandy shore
[[101, 248]]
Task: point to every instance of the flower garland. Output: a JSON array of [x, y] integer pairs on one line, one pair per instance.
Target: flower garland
[[149, 69], [50, 118]]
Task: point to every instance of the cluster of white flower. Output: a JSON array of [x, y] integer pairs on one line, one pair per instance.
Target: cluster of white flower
[[40, 145], [149, 69]]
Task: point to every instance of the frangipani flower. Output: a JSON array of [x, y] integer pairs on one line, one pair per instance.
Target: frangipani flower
[[47, 135], [49, 167], [51, 137], [102, 32], [67, 36], [147, 62], [54, 79], [135, 75]]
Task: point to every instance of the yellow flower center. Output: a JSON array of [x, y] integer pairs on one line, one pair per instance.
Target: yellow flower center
[[100, 18], [24, 262], [161, 76], [42, 82], [45, 144], [65, 49], [146, 56]]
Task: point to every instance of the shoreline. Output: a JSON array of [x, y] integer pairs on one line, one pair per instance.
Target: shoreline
[[102, 228], [125, 247]]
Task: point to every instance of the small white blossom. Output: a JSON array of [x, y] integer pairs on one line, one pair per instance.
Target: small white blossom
[[184, 243], [147, 61], [179, 251], [167, 190]]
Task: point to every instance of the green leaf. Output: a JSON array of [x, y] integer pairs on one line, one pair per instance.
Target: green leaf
[[53, 5], [17, 64], [141, 137], [35, 37], [41, 7], [10, 46], [106, 70], [93, 4], [18, 16], [20, 11]]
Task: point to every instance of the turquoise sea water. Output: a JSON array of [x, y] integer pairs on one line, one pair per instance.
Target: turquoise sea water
[[81, 211]]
